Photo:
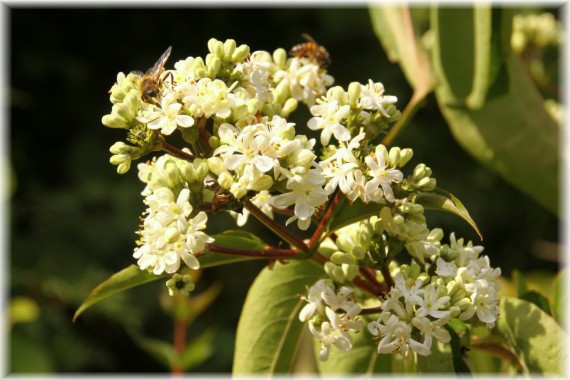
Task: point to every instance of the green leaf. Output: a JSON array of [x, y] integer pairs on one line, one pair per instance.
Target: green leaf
[[457, 344], [510, 132], [353, 212], [133, 276], [441, 200], [440, 360], [394, 27], [520, 282], [559, 294], [538, 299], [198, 351], [269, 328], [125, 279], [362, 359], [536, 338], [160, 350]]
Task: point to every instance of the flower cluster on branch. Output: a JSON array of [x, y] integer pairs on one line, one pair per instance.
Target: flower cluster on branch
[[243, 155]]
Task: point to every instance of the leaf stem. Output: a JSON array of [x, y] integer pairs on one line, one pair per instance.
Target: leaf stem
[[176, 152], [275, 227], [179, 343], [331, 210]]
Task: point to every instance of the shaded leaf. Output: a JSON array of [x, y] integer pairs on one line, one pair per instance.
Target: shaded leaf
[[125, 279], [520, 282], [160, 350], [133, 276], [536, 337], [538, 299], [198, 351], [269, 328], [560, 294], [457, 344], [441, 200], [440, 360], [511, 132]]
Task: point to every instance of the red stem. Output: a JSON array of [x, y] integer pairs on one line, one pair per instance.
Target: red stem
[[267, 253], [276, 227], [331, 209], [177, 152], [179, 343], [370, 275]]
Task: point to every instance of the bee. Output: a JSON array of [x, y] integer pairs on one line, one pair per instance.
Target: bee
[[152, 79], [311, 50]]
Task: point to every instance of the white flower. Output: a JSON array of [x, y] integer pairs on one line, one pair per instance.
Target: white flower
[[330, 336], [396, 336], [328, 117], [339, 165], [168, 235], [432, 329], [166, 118], [372, 97], [430, 304], [304, 80], [263, 200], [210, 97], [306, 193], [381, 177]]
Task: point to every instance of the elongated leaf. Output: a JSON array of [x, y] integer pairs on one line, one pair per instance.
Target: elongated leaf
[[537, 339], [394, 27], [133, 276], [511, 132], [441, 200], [362, 359], [127, 278], [269, 328]]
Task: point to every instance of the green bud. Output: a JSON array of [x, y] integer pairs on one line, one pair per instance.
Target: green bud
[[252, 106], [114, 121], [214, 142], [120, 148], [394, 156], [337, 93], [216, 47], [354, 90], [132, 100], [229, 48], [216, 165], [213, 66], [435, 235], [419, 172], [238, 190], [118, 159], [225, 180], [289, 106], [455, 311], [240, 53], [280, 57], [123, 111], [171, 234], [463, 304], [180, 284], [124, 167], [358, 253], [350, 271], [262, 183], [424, 277], [381, 150], [117, 94], [405, 270], [405, 156], [340, 257], [426, 184]]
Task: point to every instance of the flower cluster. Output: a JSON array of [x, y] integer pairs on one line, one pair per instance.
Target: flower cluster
[[332, 316], [243, 155]]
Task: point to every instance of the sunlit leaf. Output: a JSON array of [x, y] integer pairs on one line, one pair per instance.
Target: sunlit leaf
[[537, 339], [353, 212], [394, 27], [441, 200], [269, 328]]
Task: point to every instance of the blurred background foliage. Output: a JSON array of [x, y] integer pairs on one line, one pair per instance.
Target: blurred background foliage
[[72, 218]]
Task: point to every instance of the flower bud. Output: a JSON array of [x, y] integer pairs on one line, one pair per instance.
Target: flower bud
[[214, 142], [354, 90], [289, 106], [229, 48], [120, 148], [213, 66], [350, 271], [264, 182], [394, 156], [240, 53], [225, 180], [419, 172], [216, 165], [405, 156], [123, 111], [426, 184], [280, 57], [216, 47], [114, 121], [340, 257]]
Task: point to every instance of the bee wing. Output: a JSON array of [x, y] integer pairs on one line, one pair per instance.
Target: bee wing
[[137, 73], [159, 65]]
